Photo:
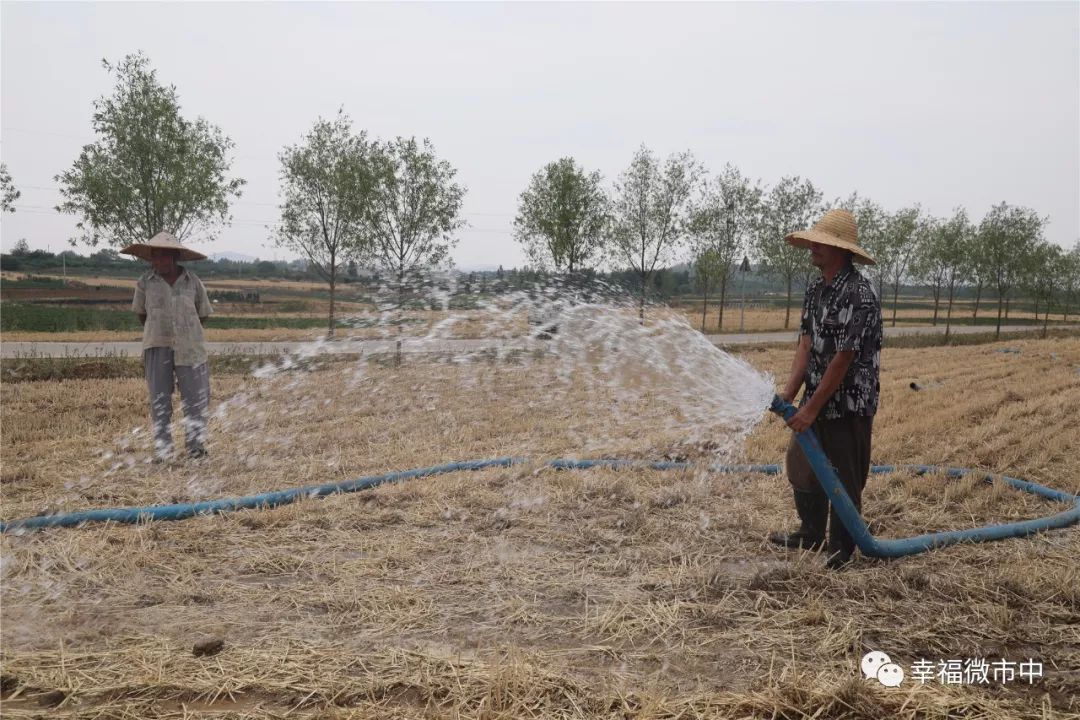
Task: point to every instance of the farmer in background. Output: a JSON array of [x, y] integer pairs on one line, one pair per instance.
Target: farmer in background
[[172, 304], [838, 359]]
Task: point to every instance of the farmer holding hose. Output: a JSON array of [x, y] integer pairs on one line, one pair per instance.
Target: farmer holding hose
[[838, 359], [172, 305]]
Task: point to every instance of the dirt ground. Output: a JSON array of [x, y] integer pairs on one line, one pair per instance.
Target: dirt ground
[[525, 591]]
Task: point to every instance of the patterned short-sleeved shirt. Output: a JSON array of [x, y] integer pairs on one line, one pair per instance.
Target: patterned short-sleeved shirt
[[844, 315], [172, 315]]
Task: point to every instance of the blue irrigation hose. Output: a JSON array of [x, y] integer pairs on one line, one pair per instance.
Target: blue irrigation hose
[[248, 502], [807, 440], [869, 545]]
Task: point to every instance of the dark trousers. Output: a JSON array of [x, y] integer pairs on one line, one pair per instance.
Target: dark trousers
[[846, 442]]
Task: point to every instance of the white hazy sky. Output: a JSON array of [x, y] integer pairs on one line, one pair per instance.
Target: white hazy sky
[[943, 104]]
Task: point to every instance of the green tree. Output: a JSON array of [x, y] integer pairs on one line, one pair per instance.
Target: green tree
[[1007, 235], [8, 192], [650, 213], [792, 204], [326, 188], [927, 266], [979, 271], [265, 268], [1045, 278], [1070, 279], [150, 169], [708, 268], [414, 213], [903, 230], [722, 224], [870, 225], [561, 217], [941, 261]]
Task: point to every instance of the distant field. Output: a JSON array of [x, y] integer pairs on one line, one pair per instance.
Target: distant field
[[913, 311], [42, 307]]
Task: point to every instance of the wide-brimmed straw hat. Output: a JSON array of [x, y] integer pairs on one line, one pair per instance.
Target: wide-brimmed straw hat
[[837, 228], [166, 241]]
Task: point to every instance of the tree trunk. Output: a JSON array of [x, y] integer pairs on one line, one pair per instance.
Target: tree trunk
[[1046, 319], [333, 283], [723, 294], [937, 300], [895, 295], [400, 315], [641, 305], [948, 314], [1007, 299], [704, 306], [997, 332], [978, 296], [787, 309], [1036, 307]]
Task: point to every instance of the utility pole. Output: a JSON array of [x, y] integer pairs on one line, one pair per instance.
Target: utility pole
[[743, 269]]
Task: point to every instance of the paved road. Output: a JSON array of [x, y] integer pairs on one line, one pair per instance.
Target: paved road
[[343, 347]]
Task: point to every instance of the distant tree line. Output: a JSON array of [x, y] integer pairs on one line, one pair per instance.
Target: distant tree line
[[109, 261], [658, 213]]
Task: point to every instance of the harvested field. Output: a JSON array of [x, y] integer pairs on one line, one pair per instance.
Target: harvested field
[[527, 592]]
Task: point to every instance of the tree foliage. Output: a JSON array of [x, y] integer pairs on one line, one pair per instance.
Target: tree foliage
[[944, 259], [1007, 235], [8, 192], [562, 216], [870, 219], [326, 189], [415, 208], [708, 267], [650, 212], [414, 213], [902, 232], [792, 204], [722, 224], [1070, 279], [150, 168]]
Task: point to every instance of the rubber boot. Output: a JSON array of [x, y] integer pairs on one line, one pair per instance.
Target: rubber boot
[[813, 509], [841, 544]]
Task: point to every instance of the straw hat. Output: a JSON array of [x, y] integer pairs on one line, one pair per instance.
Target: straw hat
[[166, 241], [837, 228]]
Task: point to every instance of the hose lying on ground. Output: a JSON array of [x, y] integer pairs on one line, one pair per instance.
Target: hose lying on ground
[[869, 545]]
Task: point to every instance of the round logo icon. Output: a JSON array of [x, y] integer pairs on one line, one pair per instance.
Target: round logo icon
[[890, 675], [872, 662]]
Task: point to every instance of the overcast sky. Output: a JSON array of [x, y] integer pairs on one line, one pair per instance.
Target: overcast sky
[[941, 104]]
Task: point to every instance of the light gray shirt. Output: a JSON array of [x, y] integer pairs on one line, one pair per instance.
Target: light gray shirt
[[172, 315]]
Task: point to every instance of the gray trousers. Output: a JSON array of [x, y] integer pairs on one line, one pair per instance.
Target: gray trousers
[[162, 375]]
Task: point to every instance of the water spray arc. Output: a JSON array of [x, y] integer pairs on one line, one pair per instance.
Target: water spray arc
[[867, 543]]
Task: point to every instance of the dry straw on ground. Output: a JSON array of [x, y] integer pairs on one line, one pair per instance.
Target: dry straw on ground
[[526, 592]]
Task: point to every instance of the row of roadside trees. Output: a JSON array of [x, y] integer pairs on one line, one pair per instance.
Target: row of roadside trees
[[394, 206], [657, 213], [345, 198]]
